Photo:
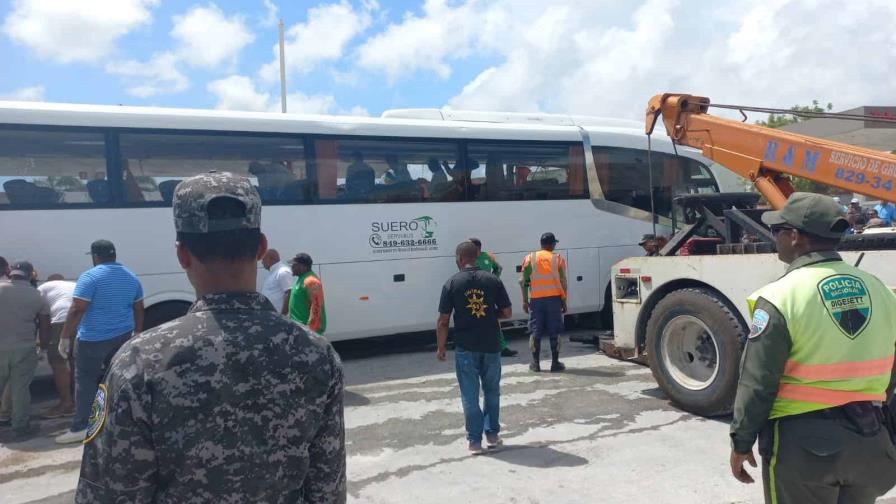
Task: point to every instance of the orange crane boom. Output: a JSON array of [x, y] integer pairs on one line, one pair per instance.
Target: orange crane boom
[[765, 155]]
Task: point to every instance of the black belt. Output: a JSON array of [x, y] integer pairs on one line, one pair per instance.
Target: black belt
[[861, 417]]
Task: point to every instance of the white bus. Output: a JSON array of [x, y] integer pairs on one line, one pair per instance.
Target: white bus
[[379, 203]]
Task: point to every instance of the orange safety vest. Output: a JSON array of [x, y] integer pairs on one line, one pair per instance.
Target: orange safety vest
[[545, 278]]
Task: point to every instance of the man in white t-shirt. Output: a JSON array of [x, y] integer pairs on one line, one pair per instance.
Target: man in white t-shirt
[[57, 294], [279, 280]]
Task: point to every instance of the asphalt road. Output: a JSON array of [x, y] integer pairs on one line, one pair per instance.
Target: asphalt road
[[600, 432]]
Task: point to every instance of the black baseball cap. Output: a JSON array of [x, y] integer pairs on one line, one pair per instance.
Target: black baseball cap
[[302, 258], [549, 238], [811, 213], [102, 248], [23, 269], [646, 238]]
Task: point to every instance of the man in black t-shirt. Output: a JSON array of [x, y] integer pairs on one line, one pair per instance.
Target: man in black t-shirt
[[478, 300]]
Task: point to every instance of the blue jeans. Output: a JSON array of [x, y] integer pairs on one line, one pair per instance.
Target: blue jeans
[[473, 369], [92, 359]]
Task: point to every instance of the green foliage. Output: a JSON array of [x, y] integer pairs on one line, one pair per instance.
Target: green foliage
[[65, 183], [779, 120]]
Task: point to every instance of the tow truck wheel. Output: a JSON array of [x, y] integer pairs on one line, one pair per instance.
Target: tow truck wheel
[[694, 347]]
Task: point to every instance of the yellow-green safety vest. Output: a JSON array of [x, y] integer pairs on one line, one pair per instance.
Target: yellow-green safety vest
[[842, 324]]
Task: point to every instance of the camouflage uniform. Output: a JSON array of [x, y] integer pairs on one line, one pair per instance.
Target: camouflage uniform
[[230, 403]]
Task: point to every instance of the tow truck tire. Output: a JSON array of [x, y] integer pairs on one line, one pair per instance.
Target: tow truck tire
[[694, 344]]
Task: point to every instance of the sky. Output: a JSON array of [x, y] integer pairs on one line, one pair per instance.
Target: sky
[[361, 57]]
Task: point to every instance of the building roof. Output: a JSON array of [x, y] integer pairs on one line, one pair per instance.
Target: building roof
[[869, 134]]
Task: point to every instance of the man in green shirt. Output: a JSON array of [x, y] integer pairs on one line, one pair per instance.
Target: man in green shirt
[[306, 298], [486, 261]]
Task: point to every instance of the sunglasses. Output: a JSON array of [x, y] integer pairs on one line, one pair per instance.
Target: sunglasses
[[778, 229]]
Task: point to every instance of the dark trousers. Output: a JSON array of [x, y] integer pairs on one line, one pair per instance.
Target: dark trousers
[[819, 461], [92, 358], [545, 319]]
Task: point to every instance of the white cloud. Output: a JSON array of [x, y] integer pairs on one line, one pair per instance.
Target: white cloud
[[238, 92], [300, 103], [207, 37], [204, 37], [31, 93], [69, 31], [323, 37], [603, 57], [357, 110], [270, 14], [159, 75], [424, 42]]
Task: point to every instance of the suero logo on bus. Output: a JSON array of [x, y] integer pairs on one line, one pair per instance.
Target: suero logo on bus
[[414, 235]]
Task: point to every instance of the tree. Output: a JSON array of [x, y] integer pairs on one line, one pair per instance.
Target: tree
[[781, 120], [65, 183]]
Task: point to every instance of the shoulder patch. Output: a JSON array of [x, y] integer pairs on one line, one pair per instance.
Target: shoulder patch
[[759, 323], [848, 302], [98, 413]]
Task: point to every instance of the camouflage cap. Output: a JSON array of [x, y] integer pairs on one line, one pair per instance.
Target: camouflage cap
[[811, 213], [192, 196]]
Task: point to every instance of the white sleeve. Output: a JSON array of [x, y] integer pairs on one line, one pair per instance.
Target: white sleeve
[[284, 280]]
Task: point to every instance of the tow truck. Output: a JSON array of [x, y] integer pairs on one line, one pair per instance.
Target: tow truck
[[685, 310]]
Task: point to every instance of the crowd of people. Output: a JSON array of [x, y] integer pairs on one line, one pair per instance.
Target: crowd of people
[[861, 218], [237, 378], [80, 325]]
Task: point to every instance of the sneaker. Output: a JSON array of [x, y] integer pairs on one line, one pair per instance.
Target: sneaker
[[493, 440], [476, 448], [557, 366], [507, 352], [58, 411], [72, 437], [5, 421], [535, 367]]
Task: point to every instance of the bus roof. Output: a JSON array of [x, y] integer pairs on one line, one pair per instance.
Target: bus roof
[[510, 117], [455, 124]]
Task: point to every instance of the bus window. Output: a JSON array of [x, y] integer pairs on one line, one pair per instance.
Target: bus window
[[513, 171], [387, 171], [52, 167], [625, 179], [153, 164]]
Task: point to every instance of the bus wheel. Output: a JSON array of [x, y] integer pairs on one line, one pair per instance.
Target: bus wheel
[[694, 347], [163, 312]]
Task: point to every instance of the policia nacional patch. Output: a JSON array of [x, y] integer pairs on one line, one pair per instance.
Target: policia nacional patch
[[846, 299], [759, 323], [98, 413]]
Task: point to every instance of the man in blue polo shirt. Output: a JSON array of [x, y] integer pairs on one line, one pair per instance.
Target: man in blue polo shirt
[[107, 308], [886, 212]]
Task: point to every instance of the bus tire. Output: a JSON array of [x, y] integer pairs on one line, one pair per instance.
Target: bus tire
[[694, 344], [160, 313]]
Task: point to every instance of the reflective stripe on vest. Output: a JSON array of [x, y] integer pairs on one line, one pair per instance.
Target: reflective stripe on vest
[[545, 278], [828, 397], [838, 370], [841, 322]]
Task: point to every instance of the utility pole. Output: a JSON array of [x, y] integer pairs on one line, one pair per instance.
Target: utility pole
[[282, 70]]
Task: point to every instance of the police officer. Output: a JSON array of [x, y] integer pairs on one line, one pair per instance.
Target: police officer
[[816, 367], [231, 402]]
